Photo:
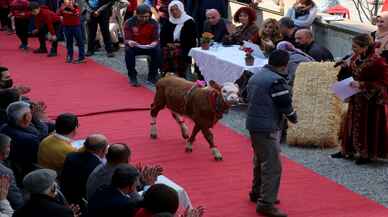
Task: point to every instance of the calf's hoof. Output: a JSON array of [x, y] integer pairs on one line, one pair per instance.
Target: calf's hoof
[[218, 158], [217, 154], [188, 150]]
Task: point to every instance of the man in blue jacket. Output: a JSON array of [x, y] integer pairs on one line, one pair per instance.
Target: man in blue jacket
[[269, 103]]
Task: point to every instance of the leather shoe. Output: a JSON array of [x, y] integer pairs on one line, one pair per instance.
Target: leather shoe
[[270, 211], [255, 197]]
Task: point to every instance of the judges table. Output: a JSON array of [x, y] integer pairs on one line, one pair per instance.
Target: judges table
[[223, 64]]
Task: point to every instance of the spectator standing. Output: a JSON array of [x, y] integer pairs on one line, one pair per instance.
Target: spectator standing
[[303, 13], [98, 14], [176, 39], [14, 195], [269, 101], [71, 21], [305, 41], [219, 27], [46, 21], [19, 10], [142, 38], [54, 148], [244, 32]]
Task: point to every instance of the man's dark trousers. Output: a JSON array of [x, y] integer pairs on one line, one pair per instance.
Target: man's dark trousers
[[130, 60], [42, 38], [267, 166], [103, 21]]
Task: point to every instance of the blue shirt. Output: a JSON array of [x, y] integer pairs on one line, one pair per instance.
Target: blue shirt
[[94, 3]]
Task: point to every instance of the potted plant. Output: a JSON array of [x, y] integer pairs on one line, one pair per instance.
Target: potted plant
[[206, 39], [249, 59]]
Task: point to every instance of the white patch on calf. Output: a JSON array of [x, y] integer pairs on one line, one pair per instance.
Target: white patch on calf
[[230, 92]]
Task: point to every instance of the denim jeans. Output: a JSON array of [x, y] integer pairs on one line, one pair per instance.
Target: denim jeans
[[71, 33], [130, 60]]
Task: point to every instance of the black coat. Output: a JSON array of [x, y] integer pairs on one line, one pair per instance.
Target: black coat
[[24, 146], [187, 38], [75, 173], [108, 201], [318, 52], [43, 206]]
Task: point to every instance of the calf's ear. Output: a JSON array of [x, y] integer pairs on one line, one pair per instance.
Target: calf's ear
[[215, 85]]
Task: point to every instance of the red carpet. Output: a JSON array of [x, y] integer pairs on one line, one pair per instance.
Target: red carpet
[[222, 187]]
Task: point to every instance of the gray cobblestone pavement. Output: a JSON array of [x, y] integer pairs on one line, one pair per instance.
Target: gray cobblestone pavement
[[368, 180]]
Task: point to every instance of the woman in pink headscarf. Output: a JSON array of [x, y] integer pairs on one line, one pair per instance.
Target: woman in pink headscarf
[[381, 35]]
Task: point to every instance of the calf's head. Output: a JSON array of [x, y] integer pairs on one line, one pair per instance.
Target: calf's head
[[229, 91]]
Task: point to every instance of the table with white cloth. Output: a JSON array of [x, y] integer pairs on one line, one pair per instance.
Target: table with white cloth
[[224, 64]]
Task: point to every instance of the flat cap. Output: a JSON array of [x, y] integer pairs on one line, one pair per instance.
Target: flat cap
[[37, 181]]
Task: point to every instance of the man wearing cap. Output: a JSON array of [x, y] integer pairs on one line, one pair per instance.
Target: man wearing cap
[[42, 187], [54, 148], [120, 198], [79, 165]]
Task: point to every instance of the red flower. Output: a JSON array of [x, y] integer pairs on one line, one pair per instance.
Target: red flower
[[247, 50]]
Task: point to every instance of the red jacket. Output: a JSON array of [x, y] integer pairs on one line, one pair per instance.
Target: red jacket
[[4, 3], [47, 17], [132, 5], [19, 9], [71, 16]]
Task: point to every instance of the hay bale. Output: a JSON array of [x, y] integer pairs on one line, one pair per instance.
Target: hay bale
[[319, 111]]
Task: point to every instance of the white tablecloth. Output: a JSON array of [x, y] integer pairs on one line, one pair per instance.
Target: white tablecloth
[[223, 64]]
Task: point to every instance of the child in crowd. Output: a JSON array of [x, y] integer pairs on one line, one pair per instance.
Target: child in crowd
[[45, 21], [19, 10], [71, 20]]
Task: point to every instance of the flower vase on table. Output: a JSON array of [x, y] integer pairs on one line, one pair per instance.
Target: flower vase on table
[[249, 59], [205, 46], [206, 39]]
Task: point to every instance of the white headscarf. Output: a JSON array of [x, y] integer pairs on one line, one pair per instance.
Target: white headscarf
[[178, 21]]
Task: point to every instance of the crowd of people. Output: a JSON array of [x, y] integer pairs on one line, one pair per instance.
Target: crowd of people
[[99, 180]]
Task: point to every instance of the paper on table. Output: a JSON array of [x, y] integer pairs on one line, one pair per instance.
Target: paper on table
[[145, 46], [256, 49], [343, 90], [78, 143]]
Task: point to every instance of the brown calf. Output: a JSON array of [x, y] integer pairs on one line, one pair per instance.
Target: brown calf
[[204, 105]]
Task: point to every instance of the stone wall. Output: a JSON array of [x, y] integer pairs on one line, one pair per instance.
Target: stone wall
[[335, 35]]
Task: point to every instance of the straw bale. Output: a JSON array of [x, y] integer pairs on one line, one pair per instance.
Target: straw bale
[[319, 111]]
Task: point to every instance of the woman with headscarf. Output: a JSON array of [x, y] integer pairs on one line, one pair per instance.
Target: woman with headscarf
[[177, 37], [381, 35]]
